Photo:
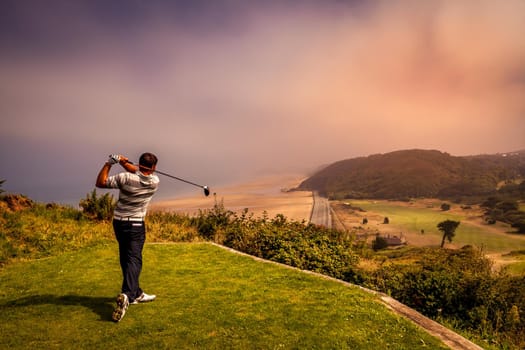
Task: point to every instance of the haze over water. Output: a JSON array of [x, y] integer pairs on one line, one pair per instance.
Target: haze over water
[[225, 91]]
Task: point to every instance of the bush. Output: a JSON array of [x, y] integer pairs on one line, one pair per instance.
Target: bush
[[211, 223], [519, 226], [379, 243], [445, 206], [305, 246], [505, 211], [42, 231], [458, 287], [99, 208]]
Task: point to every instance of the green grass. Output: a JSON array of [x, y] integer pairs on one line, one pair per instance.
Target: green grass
[[208, 298], [517, 266], [414, 219]]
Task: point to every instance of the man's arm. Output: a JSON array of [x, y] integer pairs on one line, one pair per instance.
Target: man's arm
[[102, 177], [130, 167]]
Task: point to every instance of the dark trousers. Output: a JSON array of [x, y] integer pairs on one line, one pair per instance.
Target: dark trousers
[[131, 236]]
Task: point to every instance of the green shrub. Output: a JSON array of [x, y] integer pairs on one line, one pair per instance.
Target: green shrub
[[458, 287], [379, 243], [99, 208], [507, 211], [519, 226], [210, 223], [445, 207], [308, 247]]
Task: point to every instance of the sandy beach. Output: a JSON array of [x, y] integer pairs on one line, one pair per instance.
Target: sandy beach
[[264, 194]]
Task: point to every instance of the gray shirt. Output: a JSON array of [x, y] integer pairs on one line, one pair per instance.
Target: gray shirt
[[135, 194]]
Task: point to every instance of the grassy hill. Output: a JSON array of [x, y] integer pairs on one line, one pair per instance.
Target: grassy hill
[[416, 173], [208, 298], [66, 297]]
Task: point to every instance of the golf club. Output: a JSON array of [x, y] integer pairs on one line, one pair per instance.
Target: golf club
[[205, 188]]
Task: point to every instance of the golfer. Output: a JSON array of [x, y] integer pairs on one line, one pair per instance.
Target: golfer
[[137, 185]]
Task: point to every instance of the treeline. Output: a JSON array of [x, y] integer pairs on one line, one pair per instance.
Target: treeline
[[504, 210], [455, 287]]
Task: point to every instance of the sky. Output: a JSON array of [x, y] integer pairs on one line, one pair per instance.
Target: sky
[[226, 91]]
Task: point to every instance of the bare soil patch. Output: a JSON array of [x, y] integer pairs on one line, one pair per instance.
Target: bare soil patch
[[268, 194]]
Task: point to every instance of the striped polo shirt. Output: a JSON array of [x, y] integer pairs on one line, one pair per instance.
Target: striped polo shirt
[[135, 193]]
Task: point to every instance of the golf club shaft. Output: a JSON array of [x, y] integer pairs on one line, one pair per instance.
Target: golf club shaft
[[178, 178], [174, 177]]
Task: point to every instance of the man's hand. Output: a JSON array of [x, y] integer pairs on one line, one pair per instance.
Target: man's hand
[[103, 174], [118, 158], [114, 159], [123, 160]]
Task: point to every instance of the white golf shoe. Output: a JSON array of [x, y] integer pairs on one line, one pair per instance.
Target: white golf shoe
[[122, 306], [144, 298]]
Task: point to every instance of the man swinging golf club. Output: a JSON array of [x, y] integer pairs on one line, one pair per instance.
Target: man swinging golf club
[[137, 185]]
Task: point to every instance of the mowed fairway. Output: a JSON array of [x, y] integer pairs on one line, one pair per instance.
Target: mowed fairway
[[208, 298], [417, 222]]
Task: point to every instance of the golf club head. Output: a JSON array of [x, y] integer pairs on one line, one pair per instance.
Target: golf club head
[[206, 191]]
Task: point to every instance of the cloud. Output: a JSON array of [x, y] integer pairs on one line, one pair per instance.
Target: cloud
[[222, 95]]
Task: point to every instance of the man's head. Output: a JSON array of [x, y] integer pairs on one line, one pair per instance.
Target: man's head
[[147, 163]]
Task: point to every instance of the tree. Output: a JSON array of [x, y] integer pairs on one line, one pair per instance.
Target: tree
[[445, 206], [1, 183], [448, 227]]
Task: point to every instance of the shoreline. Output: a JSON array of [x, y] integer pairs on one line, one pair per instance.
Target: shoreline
[[268, 194]]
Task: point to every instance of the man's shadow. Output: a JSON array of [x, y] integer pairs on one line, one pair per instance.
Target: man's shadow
[[102, 306]]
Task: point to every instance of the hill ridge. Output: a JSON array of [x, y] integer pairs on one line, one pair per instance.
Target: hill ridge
[[416, 173]]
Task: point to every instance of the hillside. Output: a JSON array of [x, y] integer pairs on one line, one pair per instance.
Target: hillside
[[416, 173], [208, 298]]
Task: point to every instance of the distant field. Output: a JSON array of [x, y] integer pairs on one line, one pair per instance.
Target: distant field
[[417, 223], [515, 262]]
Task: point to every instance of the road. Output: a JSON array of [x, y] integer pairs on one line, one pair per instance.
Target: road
[[321, 211]]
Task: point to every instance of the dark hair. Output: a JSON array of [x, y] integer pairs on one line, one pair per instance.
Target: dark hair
[[148, 160]]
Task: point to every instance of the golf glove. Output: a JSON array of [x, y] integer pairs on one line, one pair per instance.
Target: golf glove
[[114, 159]]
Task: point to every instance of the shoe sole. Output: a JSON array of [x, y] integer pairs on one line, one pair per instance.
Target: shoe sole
[[120, 310]]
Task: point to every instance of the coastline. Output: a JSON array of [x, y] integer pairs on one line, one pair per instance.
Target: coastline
[[266, 194]]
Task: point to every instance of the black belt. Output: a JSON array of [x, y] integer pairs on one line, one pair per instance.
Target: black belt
[[128, 218]]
